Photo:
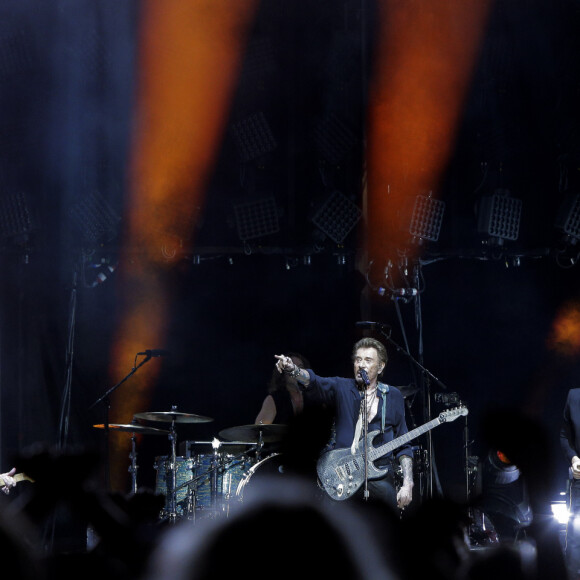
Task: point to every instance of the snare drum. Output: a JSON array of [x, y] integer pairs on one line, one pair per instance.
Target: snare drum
[[270, 467], [221, 474], [163, 484]]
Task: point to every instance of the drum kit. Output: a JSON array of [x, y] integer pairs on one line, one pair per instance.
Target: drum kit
[[201, 485]]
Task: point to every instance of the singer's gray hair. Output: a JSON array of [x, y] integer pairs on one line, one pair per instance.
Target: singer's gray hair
[[372, 343]]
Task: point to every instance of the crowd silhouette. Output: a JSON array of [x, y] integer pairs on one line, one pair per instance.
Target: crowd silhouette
[[284, 527]]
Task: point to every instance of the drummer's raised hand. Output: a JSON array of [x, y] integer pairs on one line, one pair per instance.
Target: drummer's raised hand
[[284, 363]]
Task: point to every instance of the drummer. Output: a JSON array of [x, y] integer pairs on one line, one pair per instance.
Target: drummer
[[285, 399]]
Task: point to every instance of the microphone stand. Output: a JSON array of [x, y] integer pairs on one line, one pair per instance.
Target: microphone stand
[[107, 405], [386, 332], [401, 350], [364, 419]]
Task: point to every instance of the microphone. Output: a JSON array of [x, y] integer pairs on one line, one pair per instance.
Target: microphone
[[367, 324], [365, 377], [154, 352]]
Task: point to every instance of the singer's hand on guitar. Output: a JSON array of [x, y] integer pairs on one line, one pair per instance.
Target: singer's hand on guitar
[[405, 495]]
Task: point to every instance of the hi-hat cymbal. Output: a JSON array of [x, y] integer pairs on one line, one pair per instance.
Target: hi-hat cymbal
[[133, 428], [408, 390], [269, 433], [172, 417]]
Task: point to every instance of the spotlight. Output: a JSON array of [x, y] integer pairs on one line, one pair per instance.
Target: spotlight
[[258, 218], [427, 217], [499, 216], [504, 496], [253, 137], [337, 217]]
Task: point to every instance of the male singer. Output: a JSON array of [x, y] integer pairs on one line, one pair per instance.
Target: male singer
[[385, 408]]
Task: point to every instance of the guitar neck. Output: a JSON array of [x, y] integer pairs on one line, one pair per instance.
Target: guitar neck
[[18, 477], [376, 452]]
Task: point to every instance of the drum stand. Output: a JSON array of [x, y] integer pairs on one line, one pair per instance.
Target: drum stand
[[173, 470], [133, 467], [214, 480]]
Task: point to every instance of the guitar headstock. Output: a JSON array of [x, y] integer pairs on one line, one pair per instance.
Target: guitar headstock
[[452, 414]]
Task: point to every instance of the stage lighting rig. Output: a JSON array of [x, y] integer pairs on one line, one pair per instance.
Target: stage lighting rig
[[499, 216], [568, 218], [16, 218], [567, 221], [427, 218], [337, 217], [253, 137], [256, 218], [94, 219]]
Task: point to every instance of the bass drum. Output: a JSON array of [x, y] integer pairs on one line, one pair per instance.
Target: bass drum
[[217, 479], [268, 468]]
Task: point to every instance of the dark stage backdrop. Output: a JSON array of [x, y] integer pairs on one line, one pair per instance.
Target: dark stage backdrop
[[482, 326]]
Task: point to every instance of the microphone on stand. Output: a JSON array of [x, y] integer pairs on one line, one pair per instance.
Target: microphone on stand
[[365, 377], [153, 352]]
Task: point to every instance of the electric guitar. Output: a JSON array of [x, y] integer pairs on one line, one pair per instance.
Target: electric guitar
[[341, 472]]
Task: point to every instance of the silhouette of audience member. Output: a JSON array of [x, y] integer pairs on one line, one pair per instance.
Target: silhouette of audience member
[[516, 561], [433, 542], [20, 545], [283, 531], [66, 506]]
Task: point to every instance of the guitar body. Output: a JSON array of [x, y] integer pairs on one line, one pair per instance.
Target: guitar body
[[341, 473]]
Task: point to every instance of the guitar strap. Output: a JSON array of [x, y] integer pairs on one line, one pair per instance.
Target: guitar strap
[[383, 389]]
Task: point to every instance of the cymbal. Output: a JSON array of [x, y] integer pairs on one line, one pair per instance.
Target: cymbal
[[133, 428], [172, 417], [270, 433], [408, 390]]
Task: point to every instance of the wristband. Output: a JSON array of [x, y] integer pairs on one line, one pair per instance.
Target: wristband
[[294, 372]]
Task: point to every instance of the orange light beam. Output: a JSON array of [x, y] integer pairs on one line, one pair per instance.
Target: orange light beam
[[189, 56], [424, 60]]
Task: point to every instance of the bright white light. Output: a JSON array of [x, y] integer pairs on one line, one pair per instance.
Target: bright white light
[[560, 512], [216, 443]]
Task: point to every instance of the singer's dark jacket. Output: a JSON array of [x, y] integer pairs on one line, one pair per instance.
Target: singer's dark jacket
[[570, 431], [344, 394]]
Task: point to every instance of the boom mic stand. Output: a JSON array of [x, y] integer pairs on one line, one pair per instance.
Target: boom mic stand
[[107, 405]]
